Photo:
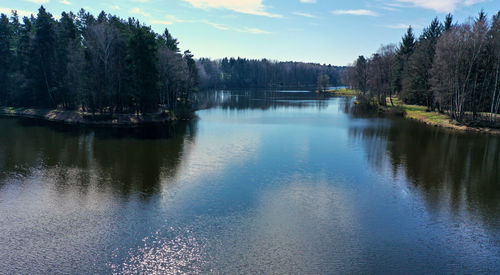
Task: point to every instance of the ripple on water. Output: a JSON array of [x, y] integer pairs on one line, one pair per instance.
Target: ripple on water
[[169, 251]]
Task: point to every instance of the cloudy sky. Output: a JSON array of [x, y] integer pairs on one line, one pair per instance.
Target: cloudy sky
[[323, 31]]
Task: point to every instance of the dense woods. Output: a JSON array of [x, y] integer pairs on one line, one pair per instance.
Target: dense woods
[[452, 68], [95, 64], [235, 73], [105, 64]]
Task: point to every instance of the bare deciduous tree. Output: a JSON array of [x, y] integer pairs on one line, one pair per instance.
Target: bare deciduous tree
[[457, 53]]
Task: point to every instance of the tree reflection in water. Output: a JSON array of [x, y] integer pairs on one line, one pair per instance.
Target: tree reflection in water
[[459, 171], [127, 161]]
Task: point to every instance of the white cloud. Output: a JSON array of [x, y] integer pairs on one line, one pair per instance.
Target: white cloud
[[402, 26], [216, 25], [139, 11], [304, 14], [229, 28], [253, 30], [254, 7], [355, 12], [308, 1], [115, 7], [65, 2], [389, 8], [170, 19], [21, 13], [38, 1], [397, 26], [441, 5], [161, 22]]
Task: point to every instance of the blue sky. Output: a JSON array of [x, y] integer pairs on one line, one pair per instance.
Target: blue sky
[[323, 31]]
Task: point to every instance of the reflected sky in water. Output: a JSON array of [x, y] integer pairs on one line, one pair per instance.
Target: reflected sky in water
[[261, 182]]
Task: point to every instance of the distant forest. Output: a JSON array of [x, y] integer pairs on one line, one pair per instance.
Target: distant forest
[[451, 67], [94, 64], [109, 65], [235, 73]]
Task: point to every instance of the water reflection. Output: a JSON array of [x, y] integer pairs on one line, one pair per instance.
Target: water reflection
[[271, 182], [258, 99], [129, 161], [460, 172]]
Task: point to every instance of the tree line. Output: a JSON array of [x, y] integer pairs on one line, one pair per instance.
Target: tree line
[[235, 73], [95, 64], [450, 67]]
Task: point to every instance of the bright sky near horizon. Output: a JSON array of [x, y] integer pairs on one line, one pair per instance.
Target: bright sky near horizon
[[322, 31]]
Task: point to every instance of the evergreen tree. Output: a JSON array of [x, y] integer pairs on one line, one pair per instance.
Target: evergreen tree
[[142, 58], [416, 83], [66, 36], [5, 57], [42, 57], [15, 24], [102, 17], [102, 64], [448, 22], [22, 94], [452, 67], [405, 50], [170, 42], [433, 31], [361, 74]]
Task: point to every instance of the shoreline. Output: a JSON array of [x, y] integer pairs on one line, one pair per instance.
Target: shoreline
[[419, 113], [340, 92], [79, 118]]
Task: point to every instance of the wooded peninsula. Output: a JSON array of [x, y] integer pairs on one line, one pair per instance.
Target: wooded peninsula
[[91, 64], [450, 71]]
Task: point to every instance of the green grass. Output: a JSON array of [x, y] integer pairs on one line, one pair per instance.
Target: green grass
[[343, 92], [421, 113]]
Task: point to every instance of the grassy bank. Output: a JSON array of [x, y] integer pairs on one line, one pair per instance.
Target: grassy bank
[[342, 92], [84, 118], [420, 113]]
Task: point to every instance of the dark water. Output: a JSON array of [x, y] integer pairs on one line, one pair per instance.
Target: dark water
[[266, 182]]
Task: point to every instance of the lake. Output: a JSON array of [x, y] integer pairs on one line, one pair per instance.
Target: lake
[[262, 182]]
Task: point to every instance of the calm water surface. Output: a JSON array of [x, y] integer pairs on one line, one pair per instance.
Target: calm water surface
[[262, 182]]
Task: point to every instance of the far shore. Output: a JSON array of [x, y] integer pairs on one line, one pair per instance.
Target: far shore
[[85, 118], [341, 92]]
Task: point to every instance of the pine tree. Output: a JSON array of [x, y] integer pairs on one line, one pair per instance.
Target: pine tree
[[192, 74], [66, 36], [171, 43], [433, 31], [448, 22], [42, 57], [142, 57], [5, 57], [361, 74], [416, 83], [405, 50], [102, 64]]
